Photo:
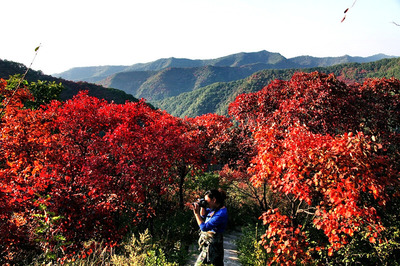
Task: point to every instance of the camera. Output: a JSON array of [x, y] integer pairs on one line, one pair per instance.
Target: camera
[[202, 203]]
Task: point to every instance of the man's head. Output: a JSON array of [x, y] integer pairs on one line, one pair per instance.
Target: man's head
[[215, 198]]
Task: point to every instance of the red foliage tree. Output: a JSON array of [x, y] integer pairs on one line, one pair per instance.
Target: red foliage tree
[[333, 181], [114, 158], [207, 130], [22, 151], [203, 132], [97, 166]]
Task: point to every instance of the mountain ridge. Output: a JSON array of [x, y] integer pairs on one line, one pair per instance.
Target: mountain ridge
[[156, 85], [269, 60], [168, 77], [211, 88], [216, 97]]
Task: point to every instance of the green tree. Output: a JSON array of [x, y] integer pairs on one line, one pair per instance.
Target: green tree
[[42, 91]]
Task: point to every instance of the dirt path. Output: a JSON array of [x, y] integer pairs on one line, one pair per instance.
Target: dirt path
[[230, 250]]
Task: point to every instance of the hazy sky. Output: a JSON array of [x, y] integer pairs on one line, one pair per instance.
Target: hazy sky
[[123, 32]]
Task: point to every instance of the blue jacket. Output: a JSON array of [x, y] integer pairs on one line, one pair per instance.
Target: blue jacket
[[215, 221]]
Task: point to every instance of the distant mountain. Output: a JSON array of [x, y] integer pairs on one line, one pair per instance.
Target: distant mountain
[[169, 77], [309, 61], [8, 68], [193, 91], [157, 85], [216, 97], [264, 60], [90, 74], [96, 73]]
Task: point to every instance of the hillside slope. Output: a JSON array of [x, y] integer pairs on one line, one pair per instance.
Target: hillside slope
[[8, 68], [173, 81], [309, 61], [215, 98], [98, 73], [264, 60], [169, 77]]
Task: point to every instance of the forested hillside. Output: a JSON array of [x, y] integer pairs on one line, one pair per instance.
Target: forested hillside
[[215, 98], [9, 68], [172, 81], [170, 77], [268, 59], [254, 60], [208, 89]]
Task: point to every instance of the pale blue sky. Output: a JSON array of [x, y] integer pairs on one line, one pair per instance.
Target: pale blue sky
[[123, 32]]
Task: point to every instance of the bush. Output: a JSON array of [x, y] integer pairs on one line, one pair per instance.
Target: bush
[[141, 251], [250, 251], [175, 233], [137, 251]]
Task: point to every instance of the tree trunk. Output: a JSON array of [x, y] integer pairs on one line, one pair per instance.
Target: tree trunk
[[182, 173]]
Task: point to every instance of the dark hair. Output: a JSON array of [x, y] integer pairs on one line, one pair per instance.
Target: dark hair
[[218, 194]]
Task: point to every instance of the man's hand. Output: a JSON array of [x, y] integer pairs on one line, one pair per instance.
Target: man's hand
[[196, 208]]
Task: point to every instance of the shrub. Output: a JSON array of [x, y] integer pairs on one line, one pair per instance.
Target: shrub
[[141, 251], [250, 251]]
